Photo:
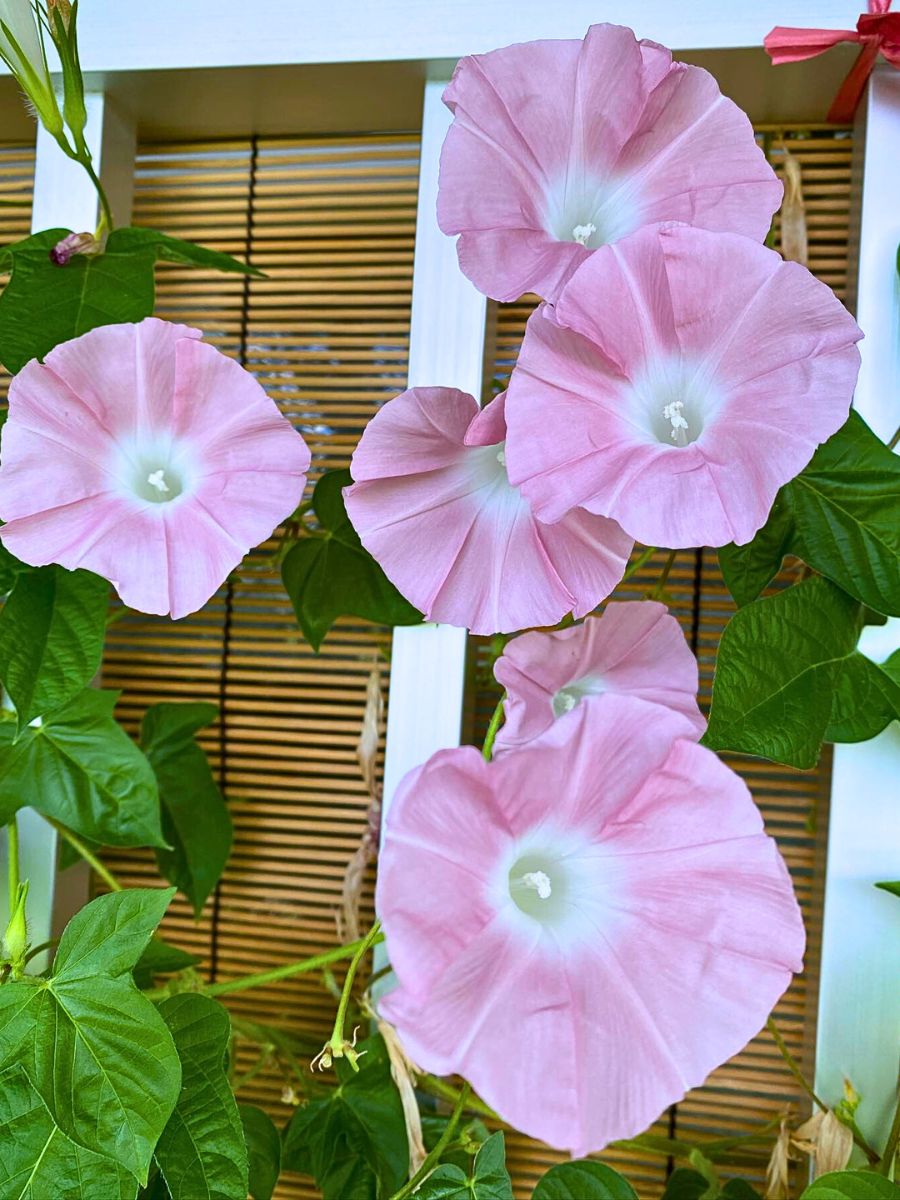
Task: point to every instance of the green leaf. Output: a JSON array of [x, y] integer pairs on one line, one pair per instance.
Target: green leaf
[[201, 1151], [687, 1184], [81, 768], [748, 569], [852, 1185], [583, 1180], [334, 575], [263, 1150], [354, 1142], [10, 567], [38, 1161], [890, 886], [866, 699], [841, 515], [161, 959], [489, 1179], [776, 672], [195, 819], [52, 630], [44, 304], [96, 1050], [739, 1189]]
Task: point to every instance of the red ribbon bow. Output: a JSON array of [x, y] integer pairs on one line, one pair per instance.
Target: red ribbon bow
[[877, 31]]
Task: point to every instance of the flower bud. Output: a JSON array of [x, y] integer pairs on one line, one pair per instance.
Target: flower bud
[[73, 243], [22, 49], [15, 940]]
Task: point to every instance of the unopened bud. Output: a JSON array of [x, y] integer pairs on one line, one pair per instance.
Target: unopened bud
[[73, 243], [15, 940]]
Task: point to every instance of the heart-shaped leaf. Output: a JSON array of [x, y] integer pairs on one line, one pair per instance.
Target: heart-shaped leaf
[[201, 1151], [841, 515], [263, 1150], [583, 1180], [52, 630], [95, 1049], [333, 575], [852, 1185], [195, 819], [776, 672], [38, 1161], [489, 1179], [81, 768]]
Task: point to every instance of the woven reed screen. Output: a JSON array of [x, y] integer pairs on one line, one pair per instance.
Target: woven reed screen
[[332, 223], [16, 186], [754, 1087]]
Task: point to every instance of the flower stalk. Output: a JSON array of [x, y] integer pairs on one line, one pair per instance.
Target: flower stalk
[[434, 1156], [338, 1046]]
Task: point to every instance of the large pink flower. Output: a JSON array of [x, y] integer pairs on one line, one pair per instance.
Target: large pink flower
[[558, 147], [145, 455], [586, 926], [682, 377], [433, 504], [636, 647]]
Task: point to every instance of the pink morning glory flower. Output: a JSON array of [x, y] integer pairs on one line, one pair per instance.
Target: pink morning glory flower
[[145, 455], [587, 926], [682, 377], [558, 147], [432, 503], [636, 647]]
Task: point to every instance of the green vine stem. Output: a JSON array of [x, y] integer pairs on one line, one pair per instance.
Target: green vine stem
[[890, 1148], [660, 589], [337, 1045], [315, 963], [85, 852], [794, 1069], [434, 1156], [643, 558], [495, 722], [12, 863]]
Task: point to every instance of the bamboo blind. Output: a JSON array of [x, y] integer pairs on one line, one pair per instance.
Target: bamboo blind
[[331, 221], [754, 1087], [16, 186]]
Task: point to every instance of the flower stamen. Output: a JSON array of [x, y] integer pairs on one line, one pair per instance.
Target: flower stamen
[[540, 882], [157, 479], [581, 233], [674, 413]]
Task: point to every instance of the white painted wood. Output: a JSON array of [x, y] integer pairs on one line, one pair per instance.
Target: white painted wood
[[65, 197], [428, 663], [213, 33], [859, 1010]]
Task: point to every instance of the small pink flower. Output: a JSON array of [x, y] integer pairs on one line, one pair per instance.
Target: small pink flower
[[145, 455], [586, 926], [558, 147], [636, 647], [682, 377], [433, 504]]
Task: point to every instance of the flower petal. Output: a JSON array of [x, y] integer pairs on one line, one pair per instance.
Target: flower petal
[[636, 647], [432, 503]]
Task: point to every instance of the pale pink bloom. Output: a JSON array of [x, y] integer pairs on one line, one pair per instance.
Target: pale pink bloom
[[433, 504], [558, 147], [587, 926], [145, 455], [682, 377], [636, 647]]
